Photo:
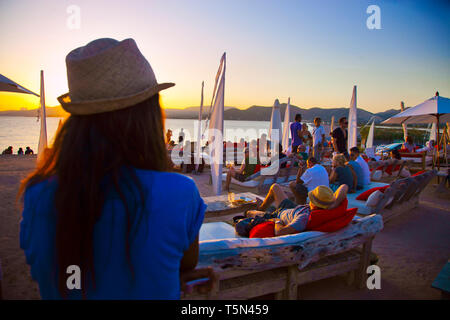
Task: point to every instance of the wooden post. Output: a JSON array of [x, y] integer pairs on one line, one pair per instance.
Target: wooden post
[[290, 291], [364, 263]]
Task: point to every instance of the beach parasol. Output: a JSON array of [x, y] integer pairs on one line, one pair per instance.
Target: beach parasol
[[405, 130], [275, 123], [216, 129], [199, 133], [10, 86], [433, 110], [286, 123], [369, 141], [43, 117], [352, 122]]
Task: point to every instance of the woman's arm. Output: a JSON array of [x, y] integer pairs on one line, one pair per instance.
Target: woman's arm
[[333, 175]]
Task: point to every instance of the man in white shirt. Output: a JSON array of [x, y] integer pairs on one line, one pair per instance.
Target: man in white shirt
[[318, 139], [315, 175], [355, 155]]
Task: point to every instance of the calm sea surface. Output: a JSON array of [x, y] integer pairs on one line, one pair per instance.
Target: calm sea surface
[[24, 131]]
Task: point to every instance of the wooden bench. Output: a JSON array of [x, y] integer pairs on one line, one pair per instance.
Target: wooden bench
[[250, 272]]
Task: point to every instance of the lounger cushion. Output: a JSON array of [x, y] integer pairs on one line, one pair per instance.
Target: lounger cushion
[[363, 196], [263, 230], [320, 217], [374, 198], [418, 173], [338, 223]]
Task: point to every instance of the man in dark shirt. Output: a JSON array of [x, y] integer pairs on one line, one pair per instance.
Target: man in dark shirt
[[340, 136]]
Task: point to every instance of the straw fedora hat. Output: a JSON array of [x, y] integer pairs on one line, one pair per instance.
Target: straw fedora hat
[[108, 75], [322, 197]]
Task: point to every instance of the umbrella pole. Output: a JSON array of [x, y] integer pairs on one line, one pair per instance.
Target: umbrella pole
[[437, 125]]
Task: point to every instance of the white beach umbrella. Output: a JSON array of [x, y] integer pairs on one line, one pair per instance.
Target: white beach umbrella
[[433, 110], [433, 132], [405, 130], [43, 117], [215, 135], [369, 141], [332, 124], [286, 124], [199, 132], [10, 86], [352, 122], [275, 121]]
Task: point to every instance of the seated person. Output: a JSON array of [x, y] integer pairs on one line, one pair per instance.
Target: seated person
[[291, 218], [28, 150], [356, 156], [359, 173], [247, 168], [409, 144], [307, 180], [20, 151], [342, 174], [8, 150]]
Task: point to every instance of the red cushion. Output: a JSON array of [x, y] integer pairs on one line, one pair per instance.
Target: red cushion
[[257, 168], [417, 173], [263, 230], [338, 223], [403, 150], [319, 217], [366, 194], [389, 169]]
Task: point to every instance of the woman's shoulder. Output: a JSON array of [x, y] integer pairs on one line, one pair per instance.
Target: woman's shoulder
[[164, 178], [37, 189]]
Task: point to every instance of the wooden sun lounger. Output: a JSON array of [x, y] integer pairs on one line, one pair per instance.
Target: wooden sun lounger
[[373, 165], [280, 269], [401, 196], [262, 182]]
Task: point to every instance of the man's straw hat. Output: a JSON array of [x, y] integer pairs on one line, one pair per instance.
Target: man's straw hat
[[108, 75], [321, 196]]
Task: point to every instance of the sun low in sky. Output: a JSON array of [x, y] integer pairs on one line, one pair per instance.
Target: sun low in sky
[[311, 51]]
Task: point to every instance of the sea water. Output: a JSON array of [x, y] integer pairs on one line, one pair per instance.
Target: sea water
[[24, 131]]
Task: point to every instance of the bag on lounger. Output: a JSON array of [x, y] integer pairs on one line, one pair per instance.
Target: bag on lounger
[[243, 226]]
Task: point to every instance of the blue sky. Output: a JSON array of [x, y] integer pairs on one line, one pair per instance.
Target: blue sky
[[312, 51]]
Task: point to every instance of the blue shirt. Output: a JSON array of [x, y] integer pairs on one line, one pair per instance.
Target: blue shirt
[[296, 218], [344, 176], [296, 140], [162, 231], [359, 173]]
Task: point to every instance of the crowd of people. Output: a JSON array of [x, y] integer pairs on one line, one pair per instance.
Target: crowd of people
[[20, 151]]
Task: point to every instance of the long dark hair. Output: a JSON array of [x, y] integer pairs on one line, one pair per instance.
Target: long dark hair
[[87, 151]]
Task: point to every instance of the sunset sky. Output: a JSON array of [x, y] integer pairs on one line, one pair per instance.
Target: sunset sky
[[312, 51]]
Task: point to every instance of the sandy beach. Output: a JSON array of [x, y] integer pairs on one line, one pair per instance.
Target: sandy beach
[[412, 248]]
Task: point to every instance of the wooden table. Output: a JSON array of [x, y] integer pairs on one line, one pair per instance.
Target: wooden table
[[220, 209]]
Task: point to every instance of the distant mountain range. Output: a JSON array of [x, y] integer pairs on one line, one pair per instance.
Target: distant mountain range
[[253, 113]]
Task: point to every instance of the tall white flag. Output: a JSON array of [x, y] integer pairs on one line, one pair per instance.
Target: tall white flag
[[352, 122], [199, 132], [42, 115], [405, 130], [286, 123], [369, 142], [215, 134]]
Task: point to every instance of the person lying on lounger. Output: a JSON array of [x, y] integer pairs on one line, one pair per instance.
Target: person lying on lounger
[[291, 218]]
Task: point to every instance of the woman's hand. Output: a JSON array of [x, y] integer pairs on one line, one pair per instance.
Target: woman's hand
[[207, 280]]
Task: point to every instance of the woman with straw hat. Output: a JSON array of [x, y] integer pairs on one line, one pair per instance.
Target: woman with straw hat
[[103, 218]]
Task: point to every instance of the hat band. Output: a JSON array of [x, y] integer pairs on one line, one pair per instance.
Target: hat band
[[316, 200]]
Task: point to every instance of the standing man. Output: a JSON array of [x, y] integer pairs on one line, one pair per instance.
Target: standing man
[[318, 139], [296, 132], [339, 137]]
